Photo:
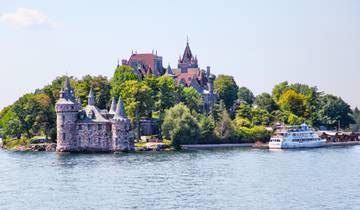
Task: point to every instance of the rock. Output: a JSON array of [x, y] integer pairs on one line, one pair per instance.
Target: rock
[[50, 147]]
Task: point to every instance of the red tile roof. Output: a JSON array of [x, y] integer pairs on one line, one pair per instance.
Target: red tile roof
[[145, 58], [187, 77]]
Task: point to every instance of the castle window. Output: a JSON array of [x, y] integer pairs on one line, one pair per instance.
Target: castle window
[[99, 127], [64, 136], [80, 127], [63, 118]]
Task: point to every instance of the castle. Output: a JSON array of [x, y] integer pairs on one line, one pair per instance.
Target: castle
[[187, 72], [90, 129]]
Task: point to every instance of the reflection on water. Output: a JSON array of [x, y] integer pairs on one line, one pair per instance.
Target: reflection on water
[[326, 178]]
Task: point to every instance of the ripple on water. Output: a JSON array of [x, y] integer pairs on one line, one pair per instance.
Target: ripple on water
[[327, 178]]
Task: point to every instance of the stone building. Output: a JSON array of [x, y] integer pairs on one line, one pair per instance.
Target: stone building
[[189, 74], [89, 129], [145, 64]]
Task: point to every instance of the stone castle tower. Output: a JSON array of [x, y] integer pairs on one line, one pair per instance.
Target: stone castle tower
[[89, 129], [67, 111]]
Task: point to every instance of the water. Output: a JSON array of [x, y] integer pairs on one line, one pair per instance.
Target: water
[[326, 178]]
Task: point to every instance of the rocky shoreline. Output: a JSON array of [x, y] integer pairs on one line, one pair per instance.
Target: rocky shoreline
[[51, 147], [157, 147], [46, 147]]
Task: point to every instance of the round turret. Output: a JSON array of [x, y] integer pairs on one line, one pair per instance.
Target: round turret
[[67, 111]]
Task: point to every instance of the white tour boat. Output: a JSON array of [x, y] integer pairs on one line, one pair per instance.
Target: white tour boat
[[291, 137]]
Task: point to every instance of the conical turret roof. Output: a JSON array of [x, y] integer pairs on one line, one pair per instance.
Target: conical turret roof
[[120, 110], [169, 72], [67, 92], [113, 106], [187, 56], [91, 98]]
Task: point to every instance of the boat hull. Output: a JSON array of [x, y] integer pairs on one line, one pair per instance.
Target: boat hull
[[295, 145]]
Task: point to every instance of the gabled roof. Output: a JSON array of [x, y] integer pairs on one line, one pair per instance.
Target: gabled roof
[[93, 114]]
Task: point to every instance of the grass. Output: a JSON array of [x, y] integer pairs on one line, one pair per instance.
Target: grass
[[142, 144], [13, 143]]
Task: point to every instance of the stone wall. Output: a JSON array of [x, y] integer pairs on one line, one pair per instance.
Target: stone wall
[[95, 137], [121, 138], [149, 126], [66, 125]]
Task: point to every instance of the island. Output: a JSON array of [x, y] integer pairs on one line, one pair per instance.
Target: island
[[146, 106]]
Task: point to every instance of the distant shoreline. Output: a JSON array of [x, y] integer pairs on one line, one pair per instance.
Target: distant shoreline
[[254, 145]]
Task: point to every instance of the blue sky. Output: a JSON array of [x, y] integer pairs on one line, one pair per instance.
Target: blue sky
[[259, 42]]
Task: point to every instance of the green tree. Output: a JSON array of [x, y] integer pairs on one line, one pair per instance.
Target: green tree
[[137, 98], [101, 87], [9, 123], [246, 96], [264, 101], [260, 117], [356, 115], [152, 82], [294, 102], [248, 117], [180, 126], [334, 111], [279, 90], [192, 99], [167, 93], [25, 109], [207, 127], [257, 133], [45, 115], [35, 113], [227, 89], [312, 100], [295, 120], [122, 74], [224, 129]]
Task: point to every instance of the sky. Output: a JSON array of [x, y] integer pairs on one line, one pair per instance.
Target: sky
[[259, 42]]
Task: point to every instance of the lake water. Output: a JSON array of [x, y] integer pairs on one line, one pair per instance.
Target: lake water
[[326, 178]]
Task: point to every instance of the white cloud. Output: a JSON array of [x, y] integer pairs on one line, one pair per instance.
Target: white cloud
[[27, 18]]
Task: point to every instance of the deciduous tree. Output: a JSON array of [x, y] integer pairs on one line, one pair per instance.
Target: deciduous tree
[[227, 89]]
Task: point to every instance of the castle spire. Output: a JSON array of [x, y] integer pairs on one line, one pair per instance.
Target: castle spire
[[91, 98], [113, 106], [67, 91], [120, 110], [187, 56], [67, 85], [169, 71]]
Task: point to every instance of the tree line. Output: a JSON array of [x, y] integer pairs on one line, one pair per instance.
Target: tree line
[[238, 115]]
